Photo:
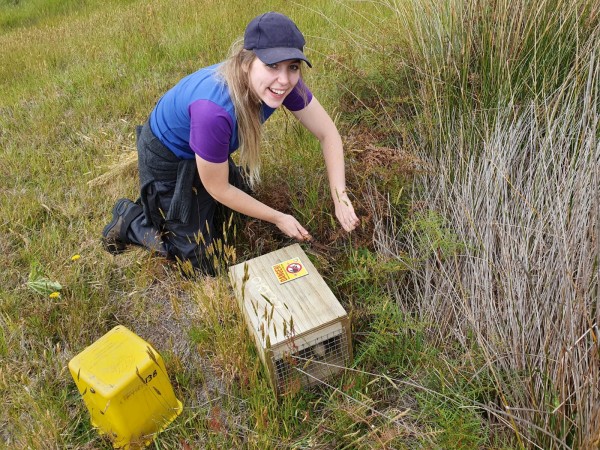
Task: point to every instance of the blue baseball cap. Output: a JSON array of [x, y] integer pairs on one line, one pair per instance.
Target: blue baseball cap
[[273, 37]]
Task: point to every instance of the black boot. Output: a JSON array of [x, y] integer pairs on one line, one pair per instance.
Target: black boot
[[114, 235]]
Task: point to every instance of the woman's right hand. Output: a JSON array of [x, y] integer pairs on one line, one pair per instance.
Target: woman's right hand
[[292, 228]]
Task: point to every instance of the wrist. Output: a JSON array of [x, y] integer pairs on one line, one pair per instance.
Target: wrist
[[339, 195], [277, 217]]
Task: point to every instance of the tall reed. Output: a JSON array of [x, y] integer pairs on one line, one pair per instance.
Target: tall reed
[[507, 113]]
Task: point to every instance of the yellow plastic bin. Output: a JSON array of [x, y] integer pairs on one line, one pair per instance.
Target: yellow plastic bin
[[124, 384]]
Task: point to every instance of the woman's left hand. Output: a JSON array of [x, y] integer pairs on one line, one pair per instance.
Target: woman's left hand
[[344, 211]]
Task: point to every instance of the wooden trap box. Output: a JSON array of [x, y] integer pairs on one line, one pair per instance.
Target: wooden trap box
[[301, 331]]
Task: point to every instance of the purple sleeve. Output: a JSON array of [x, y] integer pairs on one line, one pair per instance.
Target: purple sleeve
[[210, 131], [299, 98]]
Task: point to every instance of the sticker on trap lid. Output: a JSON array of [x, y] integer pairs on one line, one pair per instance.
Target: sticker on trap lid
[[289, 270]]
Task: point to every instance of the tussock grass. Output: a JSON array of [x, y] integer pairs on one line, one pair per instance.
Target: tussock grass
[[524, 283], [503, 237]]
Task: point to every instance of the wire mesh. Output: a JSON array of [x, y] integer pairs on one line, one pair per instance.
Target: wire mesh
[[314, 361]]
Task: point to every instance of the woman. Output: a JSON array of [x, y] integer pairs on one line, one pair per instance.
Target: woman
[[186, 172]]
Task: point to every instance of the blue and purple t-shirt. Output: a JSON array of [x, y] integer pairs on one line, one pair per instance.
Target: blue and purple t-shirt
[[197, 116]]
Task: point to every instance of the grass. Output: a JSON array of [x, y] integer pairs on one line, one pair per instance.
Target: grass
[[501, 240], [431, 282]]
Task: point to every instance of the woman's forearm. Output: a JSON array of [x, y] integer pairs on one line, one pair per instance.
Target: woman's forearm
[[239, 201], [215, 178], [333, 155]]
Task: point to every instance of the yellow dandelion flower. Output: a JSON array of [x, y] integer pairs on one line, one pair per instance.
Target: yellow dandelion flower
[[55, 294], [75, 257]]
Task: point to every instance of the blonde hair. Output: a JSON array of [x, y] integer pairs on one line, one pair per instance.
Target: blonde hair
[[247, 108]]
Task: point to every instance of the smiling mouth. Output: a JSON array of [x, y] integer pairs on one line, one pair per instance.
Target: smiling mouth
[[277, 91]]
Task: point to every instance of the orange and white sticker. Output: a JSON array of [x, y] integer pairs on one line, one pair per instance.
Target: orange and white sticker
[[289, 270]]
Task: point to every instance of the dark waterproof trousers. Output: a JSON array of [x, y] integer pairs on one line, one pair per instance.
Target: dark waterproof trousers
[[179, 218]]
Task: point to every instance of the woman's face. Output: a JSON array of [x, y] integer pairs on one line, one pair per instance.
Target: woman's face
[[272, 83]]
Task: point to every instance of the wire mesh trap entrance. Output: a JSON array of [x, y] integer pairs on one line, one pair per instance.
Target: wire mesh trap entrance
[[312, 363]]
